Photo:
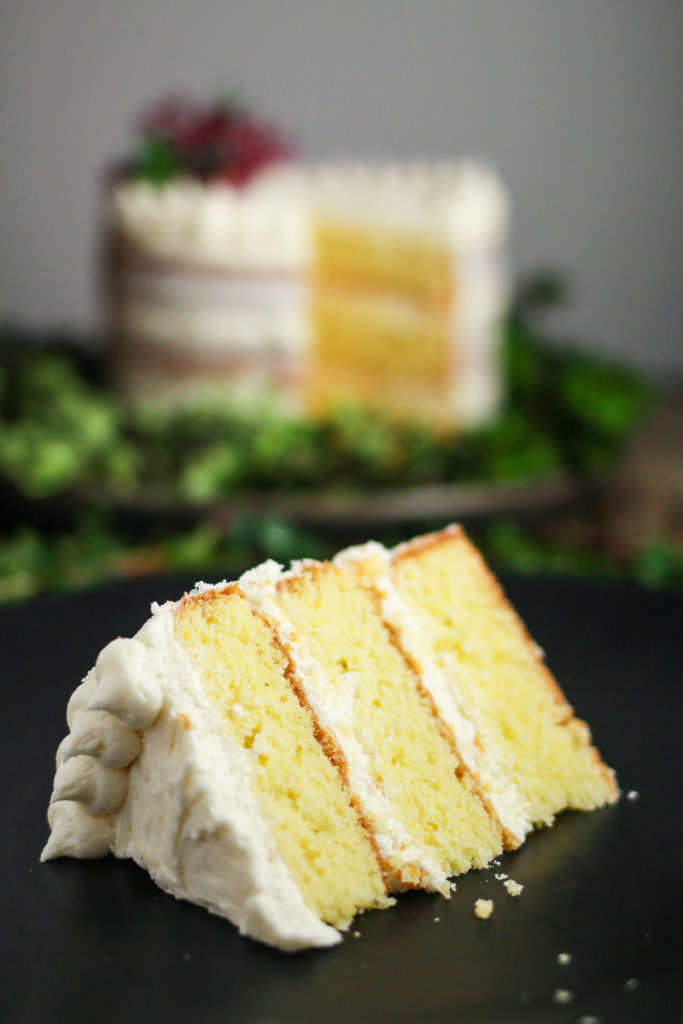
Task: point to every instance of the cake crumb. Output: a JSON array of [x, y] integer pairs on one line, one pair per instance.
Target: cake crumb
[[564, 958], [356, 935], [513, 888], [563, 996], [483, 908], [631, 985], [632, 795], [500, 877], [436, 920], [588, 1018]]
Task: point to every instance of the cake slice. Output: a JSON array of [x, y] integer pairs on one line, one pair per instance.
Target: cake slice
[[290, 749]]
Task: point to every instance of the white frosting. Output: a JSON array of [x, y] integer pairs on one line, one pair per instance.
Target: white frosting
[[215, 330], [214, 314], [184, 809], [269, 224], [98, 789], [263, 227], [78, 701], [461, 204], [333, 708], [505, 799], [102, 736], [75, 832], [129, 684]]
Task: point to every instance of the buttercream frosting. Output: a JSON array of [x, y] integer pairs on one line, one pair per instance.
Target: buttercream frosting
[[269, 224], [184, 809]]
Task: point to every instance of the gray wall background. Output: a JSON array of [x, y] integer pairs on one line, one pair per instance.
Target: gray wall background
[[577, 102]]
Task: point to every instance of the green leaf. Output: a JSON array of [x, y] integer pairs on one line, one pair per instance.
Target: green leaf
[[157, 161]]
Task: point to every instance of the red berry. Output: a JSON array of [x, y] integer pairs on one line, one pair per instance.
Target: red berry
[[221, 142]]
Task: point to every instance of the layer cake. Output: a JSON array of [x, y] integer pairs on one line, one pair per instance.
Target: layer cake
[[305, 285], [296, 747]]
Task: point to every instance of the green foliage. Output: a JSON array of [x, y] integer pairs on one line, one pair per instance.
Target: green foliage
[[157, 160], [32, 560], [566, 413], [286, 453], [660, 564], [61, 432], [55, 429], [586, 404], [509, 544]]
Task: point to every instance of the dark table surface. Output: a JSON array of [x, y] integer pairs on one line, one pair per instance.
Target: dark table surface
[[96, 941]]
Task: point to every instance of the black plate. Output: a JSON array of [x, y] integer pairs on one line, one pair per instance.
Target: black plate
[[96, 941]]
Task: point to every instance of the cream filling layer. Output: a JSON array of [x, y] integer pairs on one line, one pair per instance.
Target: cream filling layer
[[206, 330], [469, 734], [407, 863]]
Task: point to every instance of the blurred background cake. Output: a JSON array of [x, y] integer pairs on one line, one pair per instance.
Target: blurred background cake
[[237, 272], [246, 271]]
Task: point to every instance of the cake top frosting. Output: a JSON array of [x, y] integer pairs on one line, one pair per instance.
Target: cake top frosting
[[460, 204], [215, 185]]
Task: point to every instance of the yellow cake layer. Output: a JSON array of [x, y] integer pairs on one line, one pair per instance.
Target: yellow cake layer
[[500, 676], [383, 258], [383, 353], [383, 325], [248, 678], [409, 759], [380, 332]]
